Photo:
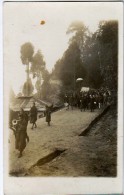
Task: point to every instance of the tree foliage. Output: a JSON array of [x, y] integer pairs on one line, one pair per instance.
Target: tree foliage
[[107, 35], [28, 88], [46, 87], [93, 57], [27, 51], [38, 64], [70, 66]]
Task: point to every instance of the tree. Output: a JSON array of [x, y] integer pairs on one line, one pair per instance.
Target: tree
[[107, 35], [37, 69], [92, 62], [28, 85], [81, 34], [46, 87], [38, 64], [93, 57], [27, 51], [71, 66]]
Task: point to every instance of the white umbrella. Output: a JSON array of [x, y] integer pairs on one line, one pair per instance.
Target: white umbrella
[[79, 79]]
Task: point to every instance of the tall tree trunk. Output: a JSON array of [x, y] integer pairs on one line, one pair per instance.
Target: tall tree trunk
[[27, 78]]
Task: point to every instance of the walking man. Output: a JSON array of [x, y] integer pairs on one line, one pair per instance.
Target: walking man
[[33, 116], [92, 103], [20, 131], [48, 115]]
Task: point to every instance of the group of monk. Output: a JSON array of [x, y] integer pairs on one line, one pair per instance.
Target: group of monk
[[20, 127], [90, 100], [85, 100]]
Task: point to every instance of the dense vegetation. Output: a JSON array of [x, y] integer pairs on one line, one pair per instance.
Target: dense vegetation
[[90, 56], [93, 57]]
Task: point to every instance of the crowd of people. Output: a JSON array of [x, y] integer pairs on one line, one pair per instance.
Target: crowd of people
[[90, 100]]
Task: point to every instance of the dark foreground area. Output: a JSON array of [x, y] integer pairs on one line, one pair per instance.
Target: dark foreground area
[[104, 134], [94, 154]]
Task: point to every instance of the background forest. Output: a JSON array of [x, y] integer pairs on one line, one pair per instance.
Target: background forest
[[90, 56]]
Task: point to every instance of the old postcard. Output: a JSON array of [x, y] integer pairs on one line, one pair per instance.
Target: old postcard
[[63, 97]]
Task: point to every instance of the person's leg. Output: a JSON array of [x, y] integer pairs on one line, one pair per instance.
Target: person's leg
[[35, 125], [20, 154], [32, 126], [27, 137]]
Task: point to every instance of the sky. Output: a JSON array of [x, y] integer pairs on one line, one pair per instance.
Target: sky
[[22, 24]]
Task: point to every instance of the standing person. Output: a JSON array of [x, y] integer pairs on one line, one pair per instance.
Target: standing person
[[33, 116], [104, 99], [78, 100], [85, 102], [23, 115], [71, 101], [66, 100], [81, 103], [100, 100], [48, 115], [92, 103], [20, 131]]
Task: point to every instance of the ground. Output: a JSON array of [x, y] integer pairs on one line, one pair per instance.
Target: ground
[[58, 150]]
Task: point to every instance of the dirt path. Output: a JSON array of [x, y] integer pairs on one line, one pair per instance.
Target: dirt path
[[61, 135], [92, 155]]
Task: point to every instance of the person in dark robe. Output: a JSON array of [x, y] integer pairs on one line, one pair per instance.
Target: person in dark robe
[[78, 100], [66, 101], [71, 101], [88, 101], [84, 102], [92, 103], [48, 115], [33, 116], [81, 103], [23, 115], [21, 132]]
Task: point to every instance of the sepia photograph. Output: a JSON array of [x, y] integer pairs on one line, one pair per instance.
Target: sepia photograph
[[62, 92]]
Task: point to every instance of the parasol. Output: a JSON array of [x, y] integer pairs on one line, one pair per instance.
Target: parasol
[[79, 79]]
